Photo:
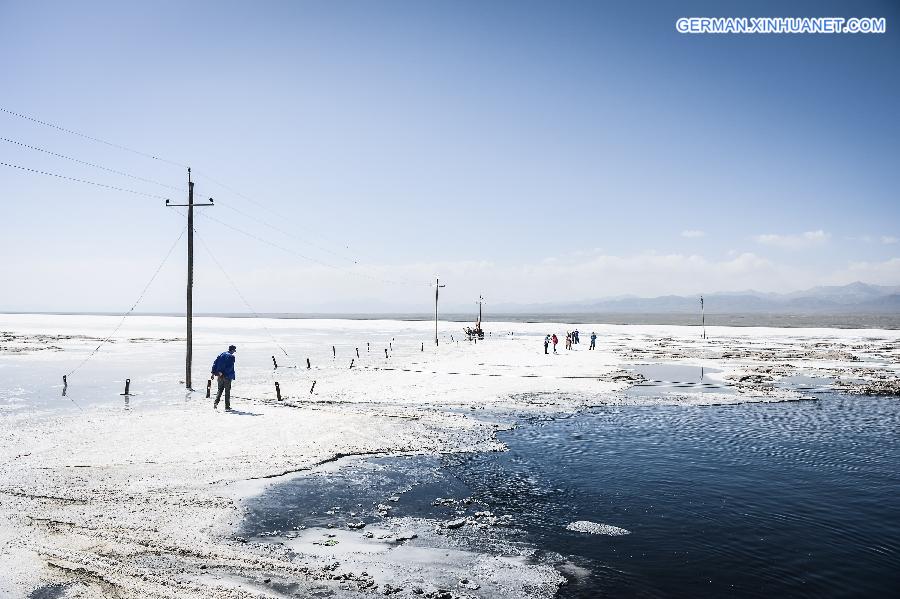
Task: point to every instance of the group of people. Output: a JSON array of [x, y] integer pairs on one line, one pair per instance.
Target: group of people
[[223, 366], [572, 338]]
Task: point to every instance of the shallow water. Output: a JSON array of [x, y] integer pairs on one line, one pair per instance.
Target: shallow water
[[780, 499], [744, 500], [661, 379]]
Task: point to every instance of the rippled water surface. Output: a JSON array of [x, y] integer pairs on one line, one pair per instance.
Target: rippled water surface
[[791, 499]]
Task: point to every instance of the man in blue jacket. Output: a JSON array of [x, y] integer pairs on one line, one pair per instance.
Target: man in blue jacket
[[223, 370]]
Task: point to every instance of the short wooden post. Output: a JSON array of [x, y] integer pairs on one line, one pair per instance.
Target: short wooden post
[[385, 353], [208, 388], [308, 365], [313, 388], [357, 352], [127, 387], [274, 362], [277, 390], [334, 351], [423, 346], [351, 362], [65, 385], [368, 349], [391, 345]]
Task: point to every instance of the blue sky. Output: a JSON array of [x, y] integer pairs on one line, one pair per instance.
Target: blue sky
[[527, 151]]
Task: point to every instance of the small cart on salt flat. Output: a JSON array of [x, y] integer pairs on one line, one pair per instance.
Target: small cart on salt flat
[[475, 332]]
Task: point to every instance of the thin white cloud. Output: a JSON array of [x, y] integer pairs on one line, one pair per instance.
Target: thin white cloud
[[795, 241], [877, 273], [692, 233], [885, 239], [300, 287], [542, 280]]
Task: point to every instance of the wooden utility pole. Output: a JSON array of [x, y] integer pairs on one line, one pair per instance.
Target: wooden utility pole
[[189, 312], [437, 288], [480, 301]]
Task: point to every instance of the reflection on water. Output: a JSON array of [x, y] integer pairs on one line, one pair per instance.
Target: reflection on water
[[673, 373], [672, 378], [782, 499]]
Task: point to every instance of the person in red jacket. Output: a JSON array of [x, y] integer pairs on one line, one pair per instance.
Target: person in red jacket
[[555, 341]]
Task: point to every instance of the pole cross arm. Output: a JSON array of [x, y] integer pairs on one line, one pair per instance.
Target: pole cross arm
[[170, 205]]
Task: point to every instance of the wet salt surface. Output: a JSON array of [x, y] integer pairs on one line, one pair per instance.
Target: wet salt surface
[[757, 499], [676, 378], [807, 384]]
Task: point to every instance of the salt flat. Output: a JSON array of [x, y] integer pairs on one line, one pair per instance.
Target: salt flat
[[142, 498]]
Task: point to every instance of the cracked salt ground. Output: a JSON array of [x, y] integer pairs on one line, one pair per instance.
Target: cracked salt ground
[[422, 530]]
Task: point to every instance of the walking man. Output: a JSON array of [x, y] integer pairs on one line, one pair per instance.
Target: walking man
[[223, 370], [593, 340], [546, 343]]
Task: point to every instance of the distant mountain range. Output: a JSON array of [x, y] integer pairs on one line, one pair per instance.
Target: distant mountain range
[[855, 297]]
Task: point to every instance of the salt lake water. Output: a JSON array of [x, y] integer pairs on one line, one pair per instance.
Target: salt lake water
[[785, 499]]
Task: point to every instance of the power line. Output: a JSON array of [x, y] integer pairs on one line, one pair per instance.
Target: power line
[[267, 242], [241, 295], [239, 194], [96, 139], [58, 176], [24, 145], [130, 310], [288, 233], [174, 163], [281, 216], [127, 149], [154, 157], [305, 257]]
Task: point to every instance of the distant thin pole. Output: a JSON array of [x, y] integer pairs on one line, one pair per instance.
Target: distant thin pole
[[437, 288], [702, 318]]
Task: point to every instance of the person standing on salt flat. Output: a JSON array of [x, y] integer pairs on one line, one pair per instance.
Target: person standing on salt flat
[[555, 340], [593, 341], [546, 343], [223, 370]]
